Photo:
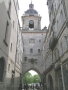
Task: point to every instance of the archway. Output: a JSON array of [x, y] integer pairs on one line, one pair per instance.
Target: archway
[[50, 83], [2, 67], [33, 80]]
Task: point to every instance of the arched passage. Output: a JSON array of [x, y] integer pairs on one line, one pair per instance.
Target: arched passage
[[37, 79], [2, 67], [50, 83], [34, 69]]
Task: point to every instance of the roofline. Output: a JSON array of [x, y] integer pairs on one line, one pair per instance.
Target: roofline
[[31, 16], [33, 31]]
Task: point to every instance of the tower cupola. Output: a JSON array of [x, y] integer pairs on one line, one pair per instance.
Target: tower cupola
[[31, 20], [31, 10]]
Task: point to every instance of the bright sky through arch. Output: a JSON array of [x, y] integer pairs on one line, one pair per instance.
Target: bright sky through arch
[[33, 72], [40, 6]]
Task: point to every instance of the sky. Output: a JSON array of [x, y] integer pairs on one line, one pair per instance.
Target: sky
[[33, 72], [40, 6]]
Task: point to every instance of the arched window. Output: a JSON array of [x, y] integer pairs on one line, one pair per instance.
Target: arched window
[[31, 24]]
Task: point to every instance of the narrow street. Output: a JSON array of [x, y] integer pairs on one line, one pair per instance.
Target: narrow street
[[34, 37]]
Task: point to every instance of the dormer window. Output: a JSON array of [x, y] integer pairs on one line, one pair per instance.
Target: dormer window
[[31, 24]]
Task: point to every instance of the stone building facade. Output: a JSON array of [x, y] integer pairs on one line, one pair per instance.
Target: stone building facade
[[45, 51], [55, 48], [10, 40]]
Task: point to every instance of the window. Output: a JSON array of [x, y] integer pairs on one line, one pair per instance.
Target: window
[[31, 40], [7, 25], [2, 68], [9, 9], [25, 58], [39, 50], [23, 21], [11, 47], [39, 40], [31, 50], [6, 33], [31, 24], [8, 67]]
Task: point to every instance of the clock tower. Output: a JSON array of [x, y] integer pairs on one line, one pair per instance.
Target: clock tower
[[31, 20], [33, 39]]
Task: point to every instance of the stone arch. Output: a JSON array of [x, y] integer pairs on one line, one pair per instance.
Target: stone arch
[[34, 70], [2, 68], [40, 75], [50, 83]]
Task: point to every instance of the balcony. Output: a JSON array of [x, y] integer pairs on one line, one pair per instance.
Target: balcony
[[53, 42]]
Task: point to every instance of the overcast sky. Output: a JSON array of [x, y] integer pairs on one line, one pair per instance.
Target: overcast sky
[[40, 6], [33, 72]]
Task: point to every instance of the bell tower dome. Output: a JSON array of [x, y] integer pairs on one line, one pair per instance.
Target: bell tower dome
[[31, 20]]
